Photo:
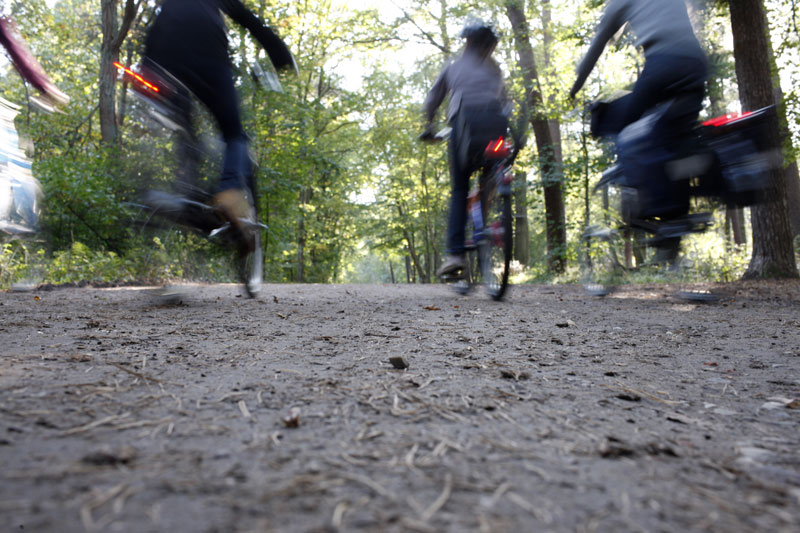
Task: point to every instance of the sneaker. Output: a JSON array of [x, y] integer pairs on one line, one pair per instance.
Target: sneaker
[[234, 207], [452, 264]]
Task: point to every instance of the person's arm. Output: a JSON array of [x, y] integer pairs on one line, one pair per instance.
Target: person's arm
[[612, 21], [436, 96], [277, 50]]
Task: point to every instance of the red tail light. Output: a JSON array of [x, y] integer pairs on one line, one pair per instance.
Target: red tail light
[[726, 119], [143, 82], [497, 148]]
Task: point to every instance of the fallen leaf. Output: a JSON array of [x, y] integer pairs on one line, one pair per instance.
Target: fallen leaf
[[292, 420], [432, 308], [399, 362]]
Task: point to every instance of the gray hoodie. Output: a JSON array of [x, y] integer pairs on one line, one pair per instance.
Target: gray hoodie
[[660, 27], [471, 80]]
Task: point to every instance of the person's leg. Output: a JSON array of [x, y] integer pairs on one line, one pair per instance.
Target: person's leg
[[654, 133], [212, 84], [217, 92], [459, 182]]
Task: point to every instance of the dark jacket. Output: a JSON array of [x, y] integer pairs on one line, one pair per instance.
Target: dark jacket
[[471, 81], [661, 27], [196, 29]]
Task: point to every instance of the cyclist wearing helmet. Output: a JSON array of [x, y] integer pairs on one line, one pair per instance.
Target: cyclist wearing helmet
[[478, 113], [674, 73], [189, 39]]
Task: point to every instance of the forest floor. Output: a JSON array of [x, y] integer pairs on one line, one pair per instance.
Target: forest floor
[[552, 411]]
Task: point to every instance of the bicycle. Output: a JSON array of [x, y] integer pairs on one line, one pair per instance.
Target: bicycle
[[727, 162], [489, 243], [164, 97]]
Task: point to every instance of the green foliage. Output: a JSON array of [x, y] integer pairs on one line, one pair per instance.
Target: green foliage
[[81, 263]]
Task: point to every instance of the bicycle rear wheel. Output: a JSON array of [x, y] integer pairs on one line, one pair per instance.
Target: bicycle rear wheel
[[496, 248]]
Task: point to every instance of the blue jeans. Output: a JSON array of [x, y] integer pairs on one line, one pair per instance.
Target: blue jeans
[[212, 83], [674, 86], [473, 130]]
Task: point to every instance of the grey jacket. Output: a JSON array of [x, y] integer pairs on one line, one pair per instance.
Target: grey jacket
[[660, 27], [471, 81]]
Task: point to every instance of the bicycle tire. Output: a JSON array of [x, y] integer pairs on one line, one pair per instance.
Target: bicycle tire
[[251, 263], [496, 251], [594, 255]]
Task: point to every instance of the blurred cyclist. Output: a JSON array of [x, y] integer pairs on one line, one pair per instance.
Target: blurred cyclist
[[189, 40], [478, 113], [674, 74], [26, 64]]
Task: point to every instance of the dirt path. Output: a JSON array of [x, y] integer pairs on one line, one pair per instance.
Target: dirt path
[[551, 412]]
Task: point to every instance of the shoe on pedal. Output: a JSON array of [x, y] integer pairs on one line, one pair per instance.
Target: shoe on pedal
[[452, 264], [234, 207]]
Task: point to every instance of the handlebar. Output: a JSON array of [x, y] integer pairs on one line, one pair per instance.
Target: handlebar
[[441, 135]]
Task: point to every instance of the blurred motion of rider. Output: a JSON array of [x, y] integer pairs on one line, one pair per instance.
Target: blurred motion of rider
[[675, 71], [27, 65], [478, 113], [189, 40]]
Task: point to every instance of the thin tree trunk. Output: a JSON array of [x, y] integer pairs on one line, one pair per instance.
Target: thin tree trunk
[[773, 251], [412, 249], [522, 238], [114, 34], [551, 171], [733, 216]]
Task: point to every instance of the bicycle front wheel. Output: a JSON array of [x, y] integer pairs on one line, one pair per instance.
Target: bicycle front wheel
[[251, 259], [496, 248]]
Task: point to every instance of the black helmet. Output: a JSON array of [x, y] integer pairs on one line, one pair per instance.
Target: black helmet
[[480, 33]]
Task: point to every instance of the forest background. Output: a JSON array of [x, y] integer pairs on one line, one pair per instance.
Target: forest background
[[347, 191]]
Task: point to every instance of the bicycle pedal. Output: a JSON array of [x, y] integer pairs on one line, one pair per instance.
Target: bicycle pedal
[[453, 277]]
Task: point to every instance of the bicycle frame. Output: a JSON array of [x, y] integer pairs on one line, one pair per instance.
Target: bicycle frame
[[496, 236]]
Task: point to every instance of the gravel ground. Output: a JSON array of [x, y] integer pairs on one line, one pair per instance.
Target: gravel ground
[[552, 411]]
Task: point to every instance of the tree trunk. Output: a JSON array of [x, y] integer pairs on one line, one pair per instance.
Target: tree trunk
[[733, 218], [547, 148], [773, 251], [114, 34], [412, 249], [522, 238]]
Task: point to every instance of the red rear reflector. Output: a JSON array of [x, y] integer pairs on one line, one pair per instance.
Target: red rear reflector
[[137, 77], [727, 119]]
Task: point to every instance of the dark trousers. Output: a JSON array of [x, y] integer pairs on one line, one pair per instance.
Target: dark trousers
[[656, 122], [473, 130], [212, 83]]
